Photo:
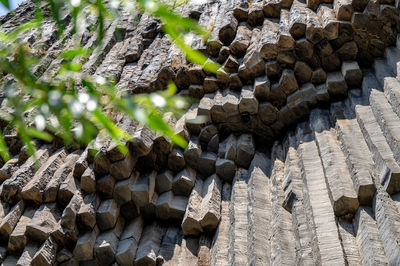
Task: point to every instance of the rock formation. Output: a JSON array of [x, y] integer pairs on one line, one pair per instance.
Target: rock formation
[[296, 163]]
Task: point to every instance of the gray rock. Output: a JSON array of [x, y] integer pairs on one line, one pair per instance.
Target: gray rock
[[352, 73], [69, 214], [261, 88], [213, 145], [149, 245], [101, 163], [302, 72], [17, 240], [178, 207], [183, 182], [105, 186], [164, 182], [176, 160], [129, 241], [242, 39], [107, 214], [142, 143], [122, 193], [248, 103], [43, 223], [225, 169], [267, 113], [46, 255], [269, 40], [298, 19], [142, 188], [329, 22], [163, 205], [336, 84], [106, 244], [191, 220], [87, 212], [67, 189], [88, 181], [32, 190], [343, 9], [24, 174], [192, 152], [230, 147], [84, 247], [122, 169], [60, 175], [210, 209], [11, 219], [245, 150], [206, 163], [207, 133], [28, 254]]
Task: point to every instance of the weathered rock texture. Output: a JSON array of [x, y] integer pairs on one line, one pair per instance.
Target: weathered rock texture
[[289, 166]]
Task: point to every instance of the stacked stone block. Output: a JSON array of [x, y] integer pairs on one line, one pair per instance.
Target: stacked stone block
[[292, 157]]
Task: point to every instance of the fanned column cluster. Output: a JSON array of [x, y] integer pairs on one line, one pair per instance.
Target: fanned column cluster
[[295, 160]]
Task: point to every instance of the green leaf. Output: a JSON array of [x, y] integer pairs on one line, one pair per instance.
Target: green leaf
[[3, 148], [178, 140], [65, 119], [26, 139], [75, 67], [56, 8], [156, 123], [39, 134], [71, 54], [116, 133], [16, 60], [171, 89], [5, 3], [191, 54]]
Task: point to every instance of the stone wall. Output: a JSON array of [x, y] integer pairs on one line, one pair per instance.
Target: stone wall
[[293, 154]]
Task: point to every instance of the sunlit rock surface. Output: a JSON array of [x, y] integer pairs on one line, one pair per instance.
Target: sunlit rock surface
[[295, 162]]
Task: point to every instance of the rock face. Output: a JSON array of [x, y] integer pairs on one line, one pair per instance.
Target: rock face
[[295, 160]]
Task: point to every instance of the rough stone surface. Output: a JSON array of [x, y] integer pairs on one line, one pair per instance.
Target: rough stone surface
[[293, 155]]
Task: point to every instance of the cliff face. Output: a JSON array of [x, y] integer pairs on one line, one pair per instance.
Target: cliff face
[[297, 162]]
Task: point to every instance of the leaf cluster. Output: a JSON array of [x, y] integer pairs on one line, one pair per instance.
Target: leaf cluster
[[71, 104]]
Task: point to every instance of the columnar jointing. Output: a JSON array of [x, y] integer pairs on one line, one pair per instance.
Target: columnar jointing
[[285, 165]]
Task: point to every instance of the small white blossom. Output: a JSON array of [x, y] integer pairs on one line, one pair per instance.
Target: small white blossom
[[76, 108], [157, 100], [114, 4], [83, 97], [54, 97], [151, 6], [54, 121], [130, 6], [91, 105], [11, 92], [40, 122], [179, 103], [188, 38], [140, 115], [78, 130], [100, 80], [75, 3], [44, 108]]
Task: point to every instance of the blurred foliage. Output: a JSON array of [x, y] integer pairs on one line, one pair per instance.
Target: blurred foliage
[[73, 105]]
